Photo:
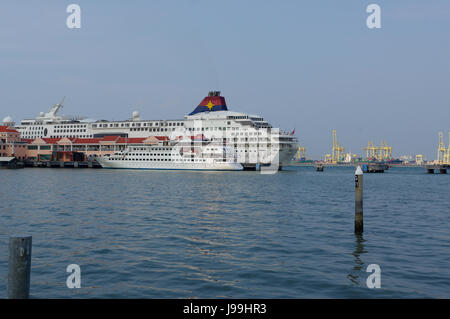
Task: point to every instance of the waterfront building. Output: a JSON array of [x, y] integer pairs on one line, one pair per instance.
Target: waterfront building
[[80, 149], [11, 145]]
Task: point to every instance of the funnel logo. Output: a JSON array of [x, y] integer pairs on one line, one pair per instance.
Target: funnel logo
[[210, 105]]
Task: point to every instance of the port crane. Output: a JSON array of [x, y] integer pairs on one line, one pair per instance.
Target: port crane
[[448, 150], [337, 154], [371, 151], [386, 151], [300, 153], [378, 153], [442, 154]]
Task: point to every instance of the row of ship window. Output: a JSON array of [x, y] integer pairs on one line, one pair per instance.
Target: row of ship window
[[59, 136], [70, 131], [135, 124], [168, 154], [145, 129], [37, 128], [152, 149], [151, 129], [193, 129], [149, 154], [156, 159], [202, 129], [71, 126], [78, 136]]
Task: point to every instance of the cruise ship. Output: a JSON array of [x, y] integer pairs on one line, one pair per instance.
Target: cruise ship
[[181, 154], [250, 138]]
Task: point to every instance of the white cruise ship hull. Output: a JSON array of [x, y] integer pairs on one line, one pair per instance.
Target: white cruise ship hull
[[105, 163]]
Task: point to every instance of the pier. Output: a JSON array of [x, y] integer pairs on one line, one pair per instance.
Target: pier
[[441, 167], [366, 167], [10, 162], [60, 164]]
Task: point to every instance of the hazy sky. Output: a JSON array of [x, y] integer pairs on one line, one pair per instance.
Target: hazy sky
[[309, 65]]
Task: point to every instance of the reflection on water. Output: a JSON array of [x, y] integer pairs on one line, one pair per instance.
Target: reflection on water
[[358, 265]]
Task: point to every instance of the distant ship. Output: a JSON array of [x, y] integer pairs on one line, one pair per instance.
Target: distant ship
[[394, 161], [252, 140]]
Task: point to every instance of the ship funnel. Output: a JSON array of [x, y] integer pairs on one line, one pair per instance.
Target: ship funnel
[[212, 103]]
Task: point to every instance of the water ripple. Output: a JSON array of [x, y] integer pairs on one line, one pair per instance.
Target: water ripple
[[202, 235]]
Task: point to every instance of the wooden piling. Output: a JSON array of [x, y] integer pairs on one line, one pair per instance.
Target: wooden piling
[[359, 201], [19, 267]]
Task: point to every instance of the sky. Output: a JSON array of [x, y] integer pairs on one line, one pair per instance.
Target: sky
[[312, 65]]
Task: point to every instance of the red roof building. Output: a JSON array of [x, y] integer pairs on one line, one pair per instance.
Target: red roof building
[[46, 149]]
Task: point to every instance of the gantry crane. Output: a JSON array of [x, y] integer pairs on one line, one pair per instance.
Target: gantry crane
[[371, 151], [337, 154], [442, 151], [300, 153], [382, 153], [448, 150], [386, 151]]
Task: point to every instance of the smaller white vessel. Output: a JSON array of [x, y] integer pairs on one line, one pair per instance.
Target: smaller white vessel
[[185, 154]]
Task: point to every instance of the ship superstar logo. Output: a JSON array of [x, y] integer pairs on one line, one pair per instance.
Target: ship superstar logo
[[210, 105]]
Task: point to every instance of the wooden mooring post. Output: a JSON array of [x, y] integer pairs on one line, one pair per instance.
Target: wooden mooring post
[[19, 267], [359, 225]]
